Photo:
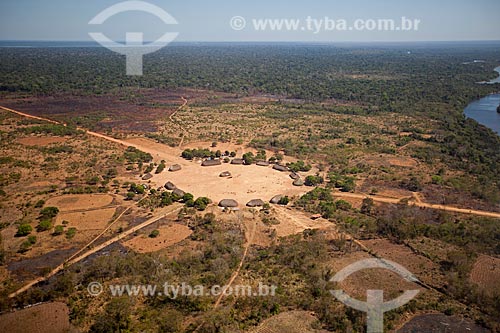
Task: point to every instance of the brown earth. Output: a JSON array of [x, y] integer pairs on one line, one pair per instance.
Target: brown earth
[[41, 141], [289, 322], [169, 235], [74, 202], [486, 273], [43, 318], [89, 220]]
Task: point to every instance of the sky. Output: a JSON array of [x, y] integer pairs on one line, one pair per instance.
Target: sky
[[209, 20]]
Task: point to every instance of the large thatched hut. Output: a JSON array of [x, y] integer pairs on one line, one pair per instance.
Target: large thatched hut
[[276, 199], [170, 186], [228, 203], [225, 174], [238, 161], [280, 167], [255, 203], [147, 176], [211, 163], [174, 168], [298, 182], [262, 163], [178, 192]]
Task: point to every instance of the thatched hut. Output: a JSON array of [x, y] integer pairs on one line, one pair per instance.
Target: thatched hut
[[255, 203], [262, 163], [294, 176], [225, 174], [238, 161], [170, 186], [147, 176], [174, 168], [298, 182], [211, 163], [228, 203], [276, 199], [178, 192], [280, 167]]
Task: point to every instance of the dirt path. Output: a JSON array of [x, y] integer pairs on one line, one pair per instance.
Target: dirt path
[[164, 213], [171, 117], [417, 204], [243, 257]]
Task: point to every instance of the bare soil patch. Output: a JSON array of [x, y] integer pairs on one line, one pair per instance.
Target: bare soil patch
[[438, 323], [294, 222], [41, 140], [89, 220], [72, 202], [169, 235], [423, 268], [486, 272], [290, 322], [43, 318]]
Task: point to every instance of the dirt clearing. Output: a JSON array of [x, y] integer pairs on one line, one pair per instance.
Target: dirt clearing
[[41, 141], [169, 235], [486, 272], [43, 318], [72, 202], [90, 220]]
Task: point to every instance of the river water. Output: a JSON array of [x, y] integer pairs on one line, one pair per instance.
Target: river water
[[484, 110]]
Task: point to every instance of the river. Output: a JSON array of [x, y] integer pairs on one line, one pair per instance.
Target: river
[[484, 110]]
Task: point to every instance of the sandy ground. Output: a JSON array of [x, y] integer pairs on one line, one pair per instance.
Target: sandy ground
[[294, 222], [290, 322], [486, 272], [72, 202], [43, 318], [169, 235], [247, 182], [89, 220], [41, 141], [428, 271]]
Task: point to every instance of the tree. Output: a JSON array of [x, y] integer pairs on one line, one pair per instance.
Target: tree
[[130, 195], [284, 201], [58, 230], [49, 212], [23, 230], [313, 180], [44, 225], [249, 158], [367, 206]]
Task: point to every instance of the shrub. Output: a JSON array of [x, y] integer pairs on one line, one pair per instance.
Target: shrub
[[40, 203], [58, 230], [49, 212], [284, 201], [313, 180], [44, 225], [201, 203], [154, 233], [70, 233], [23, 230]]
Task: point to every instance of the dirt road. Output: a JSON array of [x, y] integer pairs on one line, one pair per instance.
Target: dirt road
[[418, 203]]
